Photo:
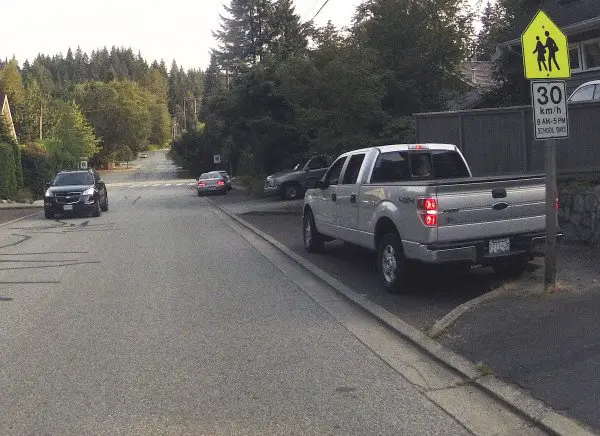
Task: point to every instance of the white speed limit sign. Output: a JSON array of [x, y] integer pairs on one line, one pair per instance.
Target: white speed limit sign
[[550, 116]]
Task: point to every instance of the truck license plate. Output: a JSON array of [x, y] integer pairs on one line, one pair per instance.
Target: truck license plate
[[500, 246], [68, 207]]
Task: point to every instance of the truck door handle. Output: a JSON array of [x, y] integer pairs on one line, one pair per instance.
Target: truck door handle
[[352, 198], [499, 193], [333, 197]]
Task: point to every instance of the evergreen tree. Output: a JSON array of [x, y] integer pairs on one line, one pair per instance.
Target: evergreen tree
[[288, 34], [244, 35]]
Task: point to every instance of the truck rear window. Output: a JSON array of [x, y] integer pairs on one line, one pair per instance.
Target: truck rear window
[[400, 166]]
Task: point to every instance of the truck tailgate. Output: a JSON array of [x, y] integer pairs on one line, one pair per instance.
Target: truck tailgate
[[486, 207]]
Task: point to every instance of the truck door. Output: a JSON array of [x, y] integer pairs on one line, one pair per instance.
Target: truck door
[[347, 196], [324, 209]]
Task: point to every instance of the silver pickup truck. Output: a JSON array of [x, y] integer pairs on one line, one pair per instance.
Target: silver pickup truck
[[421, 203]]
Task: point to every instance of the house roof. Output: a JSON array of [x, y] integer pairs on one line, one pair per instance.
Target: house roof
[[565, 13]]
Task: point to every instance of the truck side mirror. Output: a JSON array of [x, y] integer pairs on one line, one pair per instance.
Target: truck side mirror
[[322, 184]]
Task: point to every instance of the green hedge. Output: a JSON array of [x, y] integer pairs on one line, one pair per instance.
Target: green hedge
[[40, 166], [8, 179]]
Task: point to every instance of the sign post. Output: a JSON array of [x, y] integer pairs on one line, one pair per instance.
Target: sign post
[[546, 57]]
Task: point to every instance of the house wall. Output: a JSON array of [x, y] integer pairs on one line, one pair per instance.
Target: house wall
[[580, 78]]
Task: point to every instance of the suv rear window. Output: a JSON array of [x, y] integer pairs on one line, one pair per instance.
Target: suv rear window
[[397, 166]]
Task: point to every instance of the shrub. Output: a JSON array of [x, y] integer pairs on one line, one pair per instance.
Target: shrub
[[8, 179]]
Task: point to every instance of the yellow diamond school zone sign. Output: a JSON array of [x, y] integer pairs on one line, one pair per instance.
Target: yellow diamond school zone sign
[[545, 50]]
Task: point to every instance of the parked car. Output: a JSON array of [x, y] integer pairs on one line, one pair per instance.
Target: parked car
[[75, 192], [212, 182], [227, 179], [421, 203], [293, 183], [589, 91], [144, 155]]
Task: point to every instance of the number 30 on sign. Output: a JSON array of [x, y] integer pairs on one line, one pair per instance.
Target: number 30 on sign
[[550, 117]]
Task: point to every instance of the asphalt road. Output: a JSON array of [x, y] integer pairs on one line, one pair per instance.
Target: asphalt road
[[158, 318], [154, 167]]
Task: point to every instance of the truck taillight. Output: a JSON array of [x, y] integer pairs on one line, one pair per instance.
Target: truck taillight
[[428, 211]]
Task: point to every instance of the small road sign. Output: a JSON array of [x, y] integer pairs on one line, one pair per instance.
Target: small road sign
[[550, 115], [83, 165], [217, 158], [545, 50]]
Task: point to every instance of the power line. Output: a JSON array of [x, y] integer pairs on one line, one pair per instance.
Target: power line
[[319, 11], [312, 7]]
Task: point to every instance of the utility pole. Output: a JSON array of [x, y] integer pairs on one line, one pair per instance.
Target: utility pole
[[184, 117], [41, 119]]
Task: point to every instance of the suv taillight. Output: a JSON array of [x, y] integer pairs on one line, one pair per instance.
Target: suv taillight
[[428, 211]]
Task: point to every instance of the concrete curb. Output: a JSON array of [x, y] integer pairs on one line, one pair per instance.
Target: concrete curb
[[12, 206], [514, 398], [20, 219]]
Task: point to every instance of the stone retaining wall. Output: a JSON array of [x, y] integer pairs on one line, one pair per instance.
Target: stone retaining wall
[[579, 215]]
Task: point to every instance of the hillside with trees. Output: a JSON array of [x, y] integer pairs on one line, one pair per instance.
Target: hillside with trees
[[277, 87], [104, 107]]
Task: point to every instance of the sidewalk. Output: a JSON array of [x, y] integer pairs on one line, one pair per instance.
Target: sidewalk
[[548, 344], [13, 205]]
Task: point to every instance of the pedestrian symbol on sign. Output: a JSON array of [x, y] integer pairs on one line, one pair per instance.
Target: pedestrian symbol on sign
[[217, 158], [545, 50]]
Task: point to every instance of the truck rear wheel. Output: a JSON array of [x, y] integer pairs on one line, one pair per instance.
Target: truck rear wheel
[[392, 264]]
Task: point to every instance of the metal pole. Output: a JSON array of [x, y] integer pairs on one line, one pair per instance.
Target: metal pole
[[551, 224], [184, 117]]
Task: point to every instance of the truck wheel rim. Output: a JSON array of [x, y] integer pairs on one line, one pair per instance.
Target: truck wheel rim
[[388, 263], [307, 234]]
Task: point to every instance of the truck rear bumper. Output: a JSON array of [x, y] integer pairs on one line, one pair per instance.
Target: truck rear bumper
[[476, 252]]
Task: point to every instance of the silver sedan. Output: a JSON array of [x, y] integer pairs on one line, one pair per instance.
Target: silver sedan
[[212, 182]]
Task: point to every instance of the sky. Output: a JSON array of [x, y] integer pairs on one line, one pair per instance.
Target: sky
[[172, 29]]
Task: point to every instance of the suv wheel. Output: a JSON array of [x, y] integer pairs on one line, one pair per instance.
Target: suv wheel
[[49, 214], [104, 207], [313, 240], [392, 264], [290, 191], [97, 211]]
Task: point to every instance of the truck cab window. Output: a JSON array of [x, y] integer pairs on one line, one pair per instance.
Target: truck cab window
[[420, 165], [353, 169], [333, 174], [448, 164], [391, 167]]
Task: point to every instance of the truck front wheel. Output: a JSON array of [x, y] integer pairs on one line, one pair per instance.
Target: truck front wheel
[[392, 264], [313, 240]]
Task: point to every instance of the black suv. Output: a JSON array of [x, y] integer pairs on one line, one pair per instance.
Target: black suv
[[75, 192]]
